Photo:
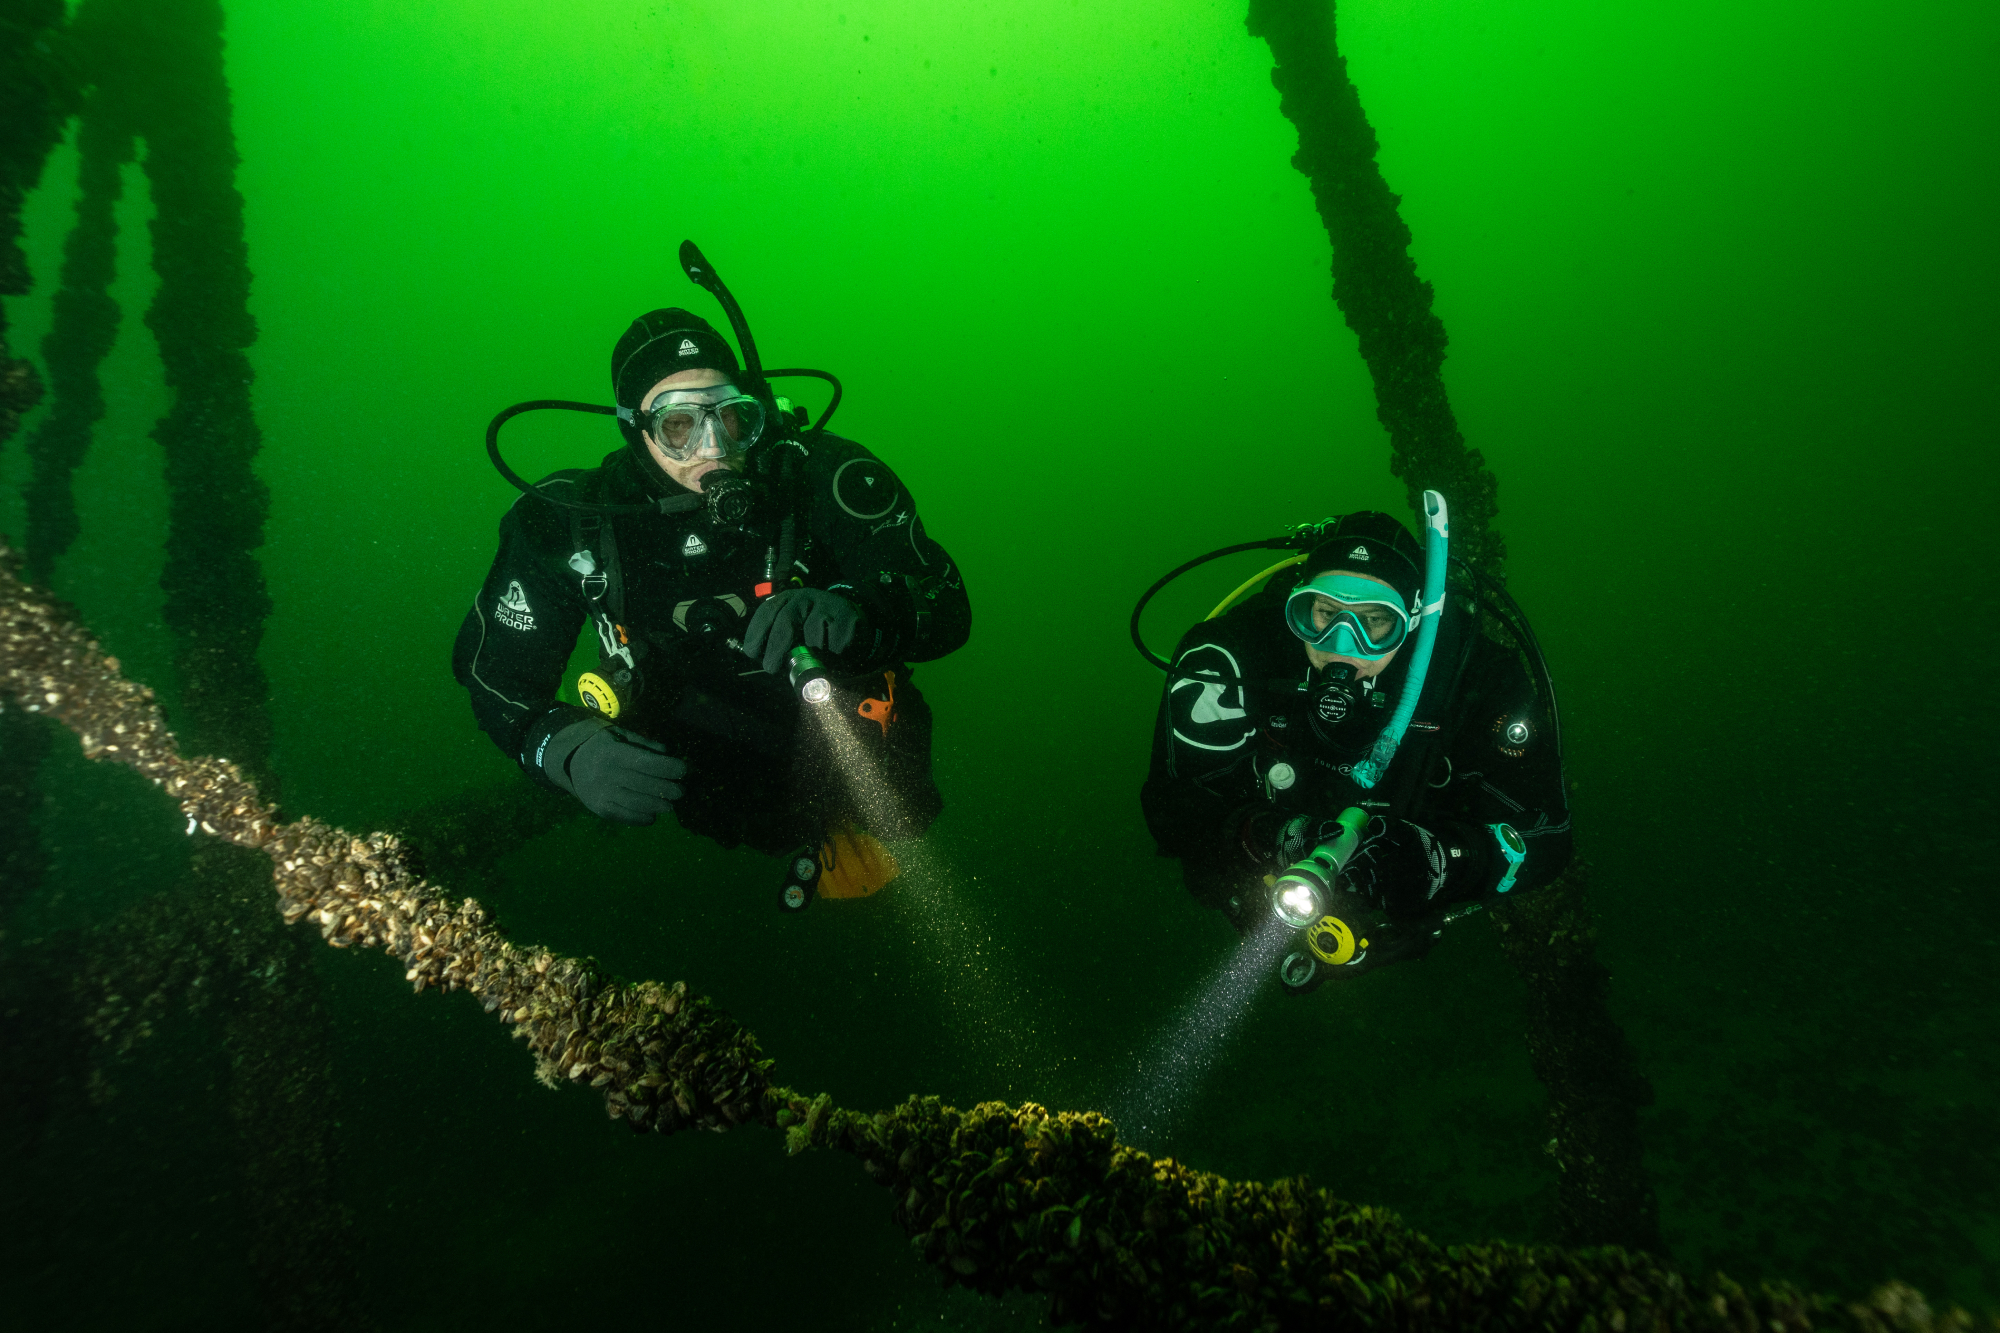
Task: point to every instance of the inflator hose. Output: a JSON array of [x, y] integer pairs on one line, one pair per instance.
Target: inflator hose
[[1139, 642]]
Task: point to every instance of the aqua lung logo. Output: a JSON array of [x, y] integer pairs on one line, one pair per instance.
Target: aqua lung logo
[[687, 347], [512, 610], [1434, 857]]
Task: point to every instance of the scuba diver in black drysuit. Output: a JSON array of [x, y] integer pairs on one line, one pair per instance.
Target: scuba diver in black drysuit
[[758, 591], [1351, 754]]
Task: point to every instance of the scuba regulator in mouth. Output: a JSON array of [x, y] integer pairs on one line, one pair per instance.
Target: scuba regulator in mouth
[[1336, 696], [728, 496], [731, 498]]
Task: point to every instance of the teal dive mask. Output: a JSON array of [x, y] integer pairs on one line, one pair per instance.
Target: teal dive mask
[[1347, 615], [687, 422]]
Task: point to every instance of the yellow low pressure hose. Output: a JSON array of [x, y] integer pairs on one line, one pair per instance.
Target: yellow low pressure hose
[[1252, 582]]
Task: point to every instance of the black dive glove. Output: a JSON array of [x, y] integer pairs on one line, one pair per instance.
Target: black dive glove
[[1406, 869], [810, 616], [617, 774]]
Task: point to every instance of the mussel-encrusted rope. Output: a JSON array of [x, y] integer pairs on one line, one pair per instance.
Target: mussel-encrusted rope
[[665, 1060], [998, 1197]]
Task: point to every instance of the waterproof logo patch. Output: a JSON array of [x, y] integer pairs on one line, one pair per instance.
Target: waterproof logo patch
[[1358, 553], [513, 610], [694, 545], [687, 347]]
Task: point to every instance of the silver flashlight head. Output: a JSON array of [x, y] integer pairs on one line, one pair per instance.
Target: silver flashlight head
[[1298, 898]]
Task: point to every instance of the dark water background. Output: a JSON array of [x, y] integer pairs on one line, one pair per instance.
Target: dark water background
[[1721, 285]]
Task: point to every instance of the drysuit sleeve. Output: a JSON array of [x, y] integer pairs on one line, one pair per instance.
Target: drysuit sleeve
[[865, 526], [517, 638], [1201, 784], [1506, 769]]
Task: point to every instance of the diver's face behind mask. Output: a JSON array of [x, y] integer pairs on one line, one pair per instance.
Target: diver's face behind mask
[[1352, 617], [696, 422]]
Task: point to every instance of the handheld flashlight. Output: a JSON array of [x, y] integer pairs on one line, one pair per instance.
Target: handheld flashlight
[[1303, 893], [808, 677]]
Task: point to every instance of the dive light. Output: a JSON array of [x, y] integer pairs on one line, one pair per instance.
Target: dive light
[[1301, 896], [808, 677]]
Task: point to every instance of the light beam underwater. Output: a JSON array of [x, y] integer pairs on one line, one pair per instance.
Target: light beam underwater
[[1182, 1056], [986, 1001]]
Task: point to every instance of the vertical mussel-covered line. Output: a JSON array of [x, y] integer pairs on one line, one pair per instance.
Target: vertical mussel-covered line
[[1577, 1049], [1375, 280], [39, 90], [84, 321], [155, 68], [302, 1253], [215, 597]]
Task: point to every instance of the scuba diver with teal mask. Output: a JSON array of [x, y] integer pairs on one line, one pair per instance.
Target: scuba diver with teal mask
[[757, 590], [1365, 750]]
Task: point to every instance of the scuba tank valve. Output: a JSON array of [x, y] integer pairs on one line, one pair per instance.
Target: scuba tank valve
[[808, 677]]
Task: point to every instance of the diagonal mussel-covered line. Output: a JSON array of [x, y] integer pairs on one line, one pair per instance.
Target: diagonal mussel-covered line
[[997, 1197]]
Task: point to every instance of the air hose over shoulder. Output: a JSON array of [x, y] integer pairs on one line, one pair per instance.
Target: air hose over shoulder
[[702, 273]]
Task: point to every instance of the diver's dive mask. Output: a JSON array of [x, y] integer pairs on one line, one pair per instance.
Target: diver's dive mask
[[690, 423], [1348, 615]]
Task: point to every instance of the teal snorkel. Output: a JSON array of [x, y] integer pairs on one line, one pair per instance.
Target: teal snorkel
[[1437, 542]]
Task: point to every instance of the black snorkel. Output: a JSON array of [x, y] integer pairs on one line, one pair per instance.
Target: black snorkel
[[726, 494]]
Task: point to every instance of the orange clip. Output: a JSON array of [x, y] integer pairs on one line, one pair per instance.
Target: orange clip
[[881, 711]]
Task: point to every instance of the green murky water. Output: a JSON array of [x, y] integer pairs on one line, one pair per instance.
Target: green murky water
[[1720, 286]]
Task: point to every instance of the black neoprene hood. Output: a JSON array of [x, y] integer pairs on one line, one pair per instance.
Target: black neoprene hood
[[1371, 543], [658, 344]]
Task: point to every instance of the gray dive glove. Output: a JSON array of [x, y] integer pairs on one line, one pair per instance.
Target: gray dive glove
[[617, 774], [810, 616]]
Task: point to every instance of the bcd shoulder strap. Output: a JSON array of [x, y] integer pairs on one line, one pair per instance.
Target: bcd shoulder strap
[[594, 560]]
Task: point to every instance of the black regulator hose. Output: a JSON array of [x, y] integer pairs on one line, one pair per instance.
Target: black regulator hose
[[702, 274], [827, 415], [529, 488], [1139, 642]]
